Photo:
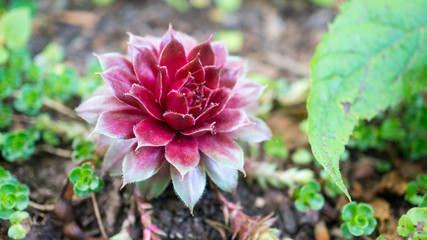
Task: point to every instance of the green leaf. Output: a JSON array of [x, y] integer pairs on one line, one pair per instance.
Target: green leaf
[[18, 216], [276, 148], [4, 55], [374, 55], [17, 231], [15, 27], [302, 156], [6, 116]]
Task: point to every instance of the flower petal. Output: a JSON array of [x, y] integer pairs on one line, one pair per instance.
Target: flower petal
[[119, 123], [147, 101], [179, 121], [173, 57], [257, 132], [120, 82], [204, 51], [189, 188], [195, 68], [212, 76], [110, 60], [162, 86], [145, 65], [176, 102], [187, 41], [98, 102], [246, 93], [149, 42], [222, 149], [182, 152], [199, 130], [221, 52], [231, 72], [155, 185], [152, 132], [225, 178], [216, 104], [142, 164], [230, 120], [113, 159]]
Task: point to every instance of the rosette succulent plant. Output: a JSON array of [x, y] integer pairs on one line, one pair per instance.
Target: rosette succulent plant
[[174, 110]]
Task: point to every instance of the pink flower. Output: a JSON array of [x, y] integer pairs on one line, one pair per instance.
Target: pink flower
[[175, 109]]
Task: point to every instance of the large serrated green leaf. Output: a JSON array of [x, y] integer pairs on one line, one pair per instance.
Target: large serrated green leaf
[[374, 54]]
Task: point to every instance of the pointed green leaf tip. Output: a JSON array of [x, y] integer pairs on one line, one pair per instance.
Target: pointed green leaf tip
[[374, 54]]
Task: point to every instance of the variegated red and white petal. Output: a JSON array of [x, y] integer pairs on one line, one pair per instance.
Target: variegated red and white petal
[[155, 185], [173, 57], [194, 67], [113, 158], [199, 130], [222, 149], [187, 41], [257, 132], [142, 163], [119, 123], [189, 188], [152, 132], [137, 42], [183, 153], [221, 52], [176, 102], [224, 177], [204, 51], [146, 101], [179, 121], [216, 103], [120, 82], [232, 72], [100, 101], [145, 66], [212, 76], [246, 92], [110, 60], [230, 120]]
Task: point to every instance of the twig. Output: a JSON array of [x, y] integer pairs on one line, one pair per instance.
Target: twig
[[42, 207], [23, 118], [55, 151], [98, 216], [59, 107]]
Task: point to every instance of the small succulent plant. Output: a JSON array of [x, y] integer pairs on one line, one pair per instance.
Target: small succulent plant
[[13, 195], [30, 100], [413, 224], [82, 149], [84, 180], [178, 106], [18, 229], [308, 197], [358, 219], [6, 116], [416, 191], [18, 145]]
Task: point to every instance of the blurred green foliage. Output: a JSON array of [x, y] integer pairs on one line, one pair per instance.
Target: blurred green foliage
[[405, 125], [276, 148], [416, 191], [83, 149]]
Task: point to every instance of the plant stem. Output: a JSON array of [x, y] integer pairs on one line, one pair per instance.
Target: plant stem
[[98, 216]]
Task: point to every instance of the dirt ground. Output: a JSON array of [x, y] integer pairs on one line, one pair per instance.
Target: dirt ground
[[279, 40]]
